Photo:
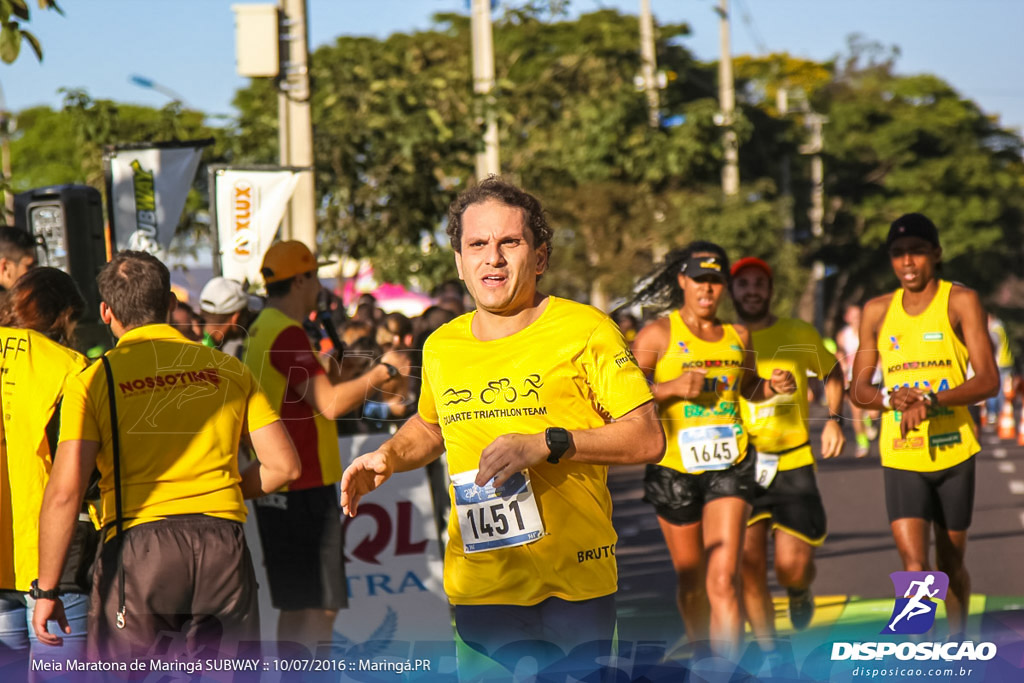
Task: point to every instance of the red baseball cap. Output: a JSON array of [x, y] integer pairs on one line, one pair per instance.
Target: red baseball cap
[[751, 261]]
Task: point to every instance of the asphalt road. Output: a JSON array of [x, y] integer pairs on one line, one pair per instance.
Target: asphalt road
[[854, 563]]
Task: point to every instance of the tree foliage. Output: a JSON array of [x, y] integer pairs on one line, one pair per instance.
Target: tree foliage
[[66, 146], [13, 15], [397, 127]]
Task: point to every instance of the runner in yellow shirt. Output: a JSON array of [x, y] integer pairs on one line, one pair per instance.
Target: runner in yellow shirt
[[702, 489], [37, 321], [170, 412], [533, 397], [925, 334], [787, 500]]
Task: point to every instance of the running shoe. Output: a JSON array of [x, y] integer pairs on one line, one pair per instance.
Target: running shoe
[[870, 430], [863, 445], [801, 608]]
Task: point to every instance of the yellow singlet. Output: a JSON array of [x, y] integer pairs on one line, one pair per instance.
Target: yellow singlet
[[923, 351], [780, 423], [689, 448]]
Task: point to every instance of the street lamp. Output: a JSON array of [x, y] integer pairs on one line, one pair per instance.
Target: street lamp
[[150, 84]]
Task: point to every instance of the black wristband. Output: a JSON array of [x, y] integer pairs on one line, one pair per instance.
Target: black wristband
[[836, 417], [771, 388], [37, 593]]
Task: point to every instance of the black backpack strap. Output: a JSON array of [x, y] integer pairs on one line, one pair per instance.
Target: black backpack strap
[[118, 512]]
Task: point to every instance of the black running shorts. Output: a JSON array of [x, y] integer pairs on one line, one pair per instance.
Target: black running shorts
[[679, 498], [793, 504], [301, 536], [945, 497]]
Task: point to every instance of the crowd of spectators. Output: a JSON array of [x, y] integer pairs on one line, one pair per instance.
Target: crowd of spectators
[[39, 311]]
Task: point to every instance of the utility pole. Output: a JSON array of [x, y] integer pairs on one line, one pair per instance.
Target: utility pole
[[816, 213], [5, 158], [727, 100], [487, 162], [649, 65], [785, 174], [295, 121]]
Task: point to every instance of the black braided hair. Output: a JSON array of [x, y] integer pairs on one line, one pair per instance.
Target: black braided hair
[[660, 289]]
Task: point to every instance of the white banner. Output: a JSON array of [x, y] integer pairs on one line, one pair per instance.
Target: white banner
[[249, 206], [397, 606], [148, 190]]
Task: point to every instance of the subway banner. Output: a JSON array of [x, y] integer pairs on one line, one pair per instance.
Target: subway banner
[[248, 207], [147, 184], [393, 568]]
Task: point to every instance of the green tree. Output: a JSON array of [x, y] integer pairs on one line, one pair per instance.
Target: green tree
[[901, 143], [61, 147], [396, 127], [13, 14]]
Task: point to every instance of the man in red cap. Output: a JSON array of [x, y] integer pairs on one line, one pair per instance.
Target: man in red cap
[[301, 528], [787, 500]]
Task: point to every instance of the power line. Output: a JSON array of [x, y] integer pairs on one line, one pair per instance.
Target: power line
[[749, 25]]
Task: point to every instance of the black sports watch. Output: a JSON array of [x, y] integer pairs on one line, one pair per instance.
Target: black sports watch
[[37, 593], [558, 441], [836, 417], [392, 370]]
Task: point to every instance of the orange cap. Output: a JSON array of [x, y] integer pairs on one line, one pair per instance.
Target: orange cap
[[287, 259]]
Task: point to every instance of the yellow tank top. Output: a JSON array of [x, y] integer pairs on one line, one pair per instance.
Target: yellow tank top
[[1004, 357], [690, 447], [923, 351]]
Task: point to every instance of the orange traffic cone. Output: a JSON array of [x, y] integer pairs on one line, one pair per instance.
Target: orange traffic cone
[[1008, 389], [1006, 429], [1020, 427], [983, 414]]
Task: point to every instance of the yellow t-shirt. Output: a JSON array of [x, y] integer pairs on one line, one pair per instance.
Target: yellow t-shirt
[[780, 423], [33, 370], [923, 351], [717, 405], [181, 407], [570, 368]]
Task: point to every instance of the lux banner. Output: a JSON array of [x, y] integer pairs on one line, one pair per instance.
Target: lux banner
[[248, 206], [147, 185]]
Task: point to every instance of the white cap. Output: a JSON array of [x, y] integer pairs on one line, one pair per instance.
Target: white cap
[[223, 296]]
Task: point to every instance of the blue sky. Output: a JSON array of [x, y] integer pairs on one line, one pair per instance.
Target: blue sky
[[188, 45]]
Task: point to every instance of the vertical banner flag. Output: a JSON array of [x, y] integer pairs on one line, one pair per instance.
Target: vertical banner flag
[[248, 207], [147, 185]]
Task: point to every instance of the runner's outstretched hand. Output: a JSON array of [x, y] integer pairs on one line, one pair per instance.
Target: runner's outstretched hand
[[365, 474]]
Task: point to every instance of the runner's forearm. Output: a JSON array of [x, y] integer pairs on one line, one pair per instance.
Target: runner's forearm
[[635, 439], [416, 444]]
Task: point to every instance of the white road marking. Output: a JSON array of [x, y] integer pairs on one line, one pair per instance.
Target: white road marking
[[999, 453], [1017, 487], [1007, 467]]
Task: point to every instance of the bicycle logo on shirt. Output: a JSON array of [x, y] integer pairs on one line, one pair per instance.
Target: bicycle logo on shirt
[[503, 389]]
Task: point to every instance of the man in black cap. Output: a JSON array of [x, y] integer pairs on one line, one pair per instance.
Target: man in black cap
[[925, 334]]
